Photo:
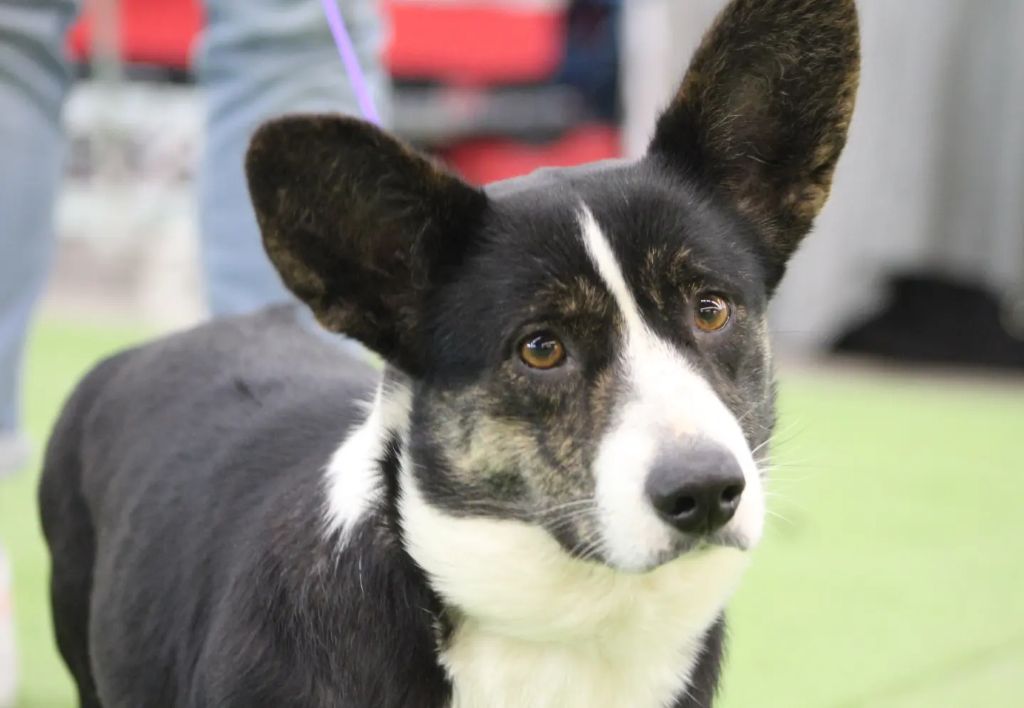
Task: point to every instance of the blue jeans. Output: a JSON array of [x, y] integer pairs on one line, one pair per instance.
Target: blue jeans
[[257, 59], [262, 58]]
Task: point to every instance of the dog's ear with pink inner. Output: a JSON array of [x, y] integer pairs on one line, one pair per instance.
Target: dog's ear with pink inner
[[358, 224], [763, 112]]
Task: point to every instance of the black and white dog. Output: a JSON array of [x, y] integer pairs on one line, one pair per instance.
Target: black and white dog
[[556, 487]]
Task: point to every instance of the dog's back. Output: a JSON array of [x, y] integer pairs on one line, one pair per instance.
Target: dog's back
[[222, 428]]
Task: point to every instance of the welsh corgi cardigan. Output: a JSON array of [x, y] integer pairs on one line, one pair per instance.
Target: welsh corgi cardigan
[[546, 498]]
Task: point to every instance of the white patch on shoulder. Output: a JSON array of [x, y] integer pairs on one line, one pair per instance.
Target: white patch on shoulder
[[668, 401], [352, 478], [540, 629]]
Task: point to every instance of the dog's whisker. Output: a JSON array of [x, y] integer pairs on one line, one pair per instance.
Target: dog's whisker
[[776, 515], [787, 464], [590, 550], [787, 500], [785, 436], [587, 546], [750, 410], [567, 505], [760, 446], [563, 521], [775, 479]]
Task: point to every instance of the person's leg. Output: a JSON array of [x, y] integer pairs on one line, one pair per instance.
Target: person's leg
[[260, 59], [33, 82]]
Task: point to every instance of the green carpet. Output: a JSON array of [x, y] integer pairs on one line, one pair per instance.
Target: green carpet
[[892, 573], [59, 354]]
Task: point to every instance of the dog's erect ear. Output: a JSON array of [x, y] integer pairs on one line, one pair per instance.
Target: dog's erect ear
[[358, 225], [762, 113]]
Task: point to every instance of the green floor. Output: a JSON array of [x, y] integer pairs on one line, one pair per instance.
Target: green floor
[[892, 573]]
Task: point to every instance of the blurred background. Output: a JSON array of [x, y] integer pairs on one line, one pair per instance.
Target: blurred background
[[893, 570]]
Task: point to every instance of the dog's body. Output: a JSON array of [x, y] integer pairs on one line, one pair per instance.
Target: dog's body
[[272, 610], [553, 493]]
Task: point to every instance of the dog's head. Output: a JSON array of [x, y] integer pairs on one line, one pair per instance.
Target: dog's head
[[586, 347]]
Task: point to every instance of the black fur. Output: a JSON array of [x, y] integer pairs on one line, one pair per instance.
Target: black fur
[[235, 598], [182, 494]]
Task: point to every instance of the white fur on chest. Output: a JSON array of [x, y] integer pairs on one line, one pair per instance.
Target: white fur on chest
[[637, 669], [540, 629]]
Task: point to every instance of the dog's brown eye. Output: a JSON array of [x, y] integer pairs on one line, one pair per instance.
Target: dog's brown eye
[[712, 313], [542, 351]]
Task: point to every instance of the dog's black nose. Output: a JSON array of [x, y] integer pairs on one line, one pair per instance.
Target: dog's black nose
[[696, 488]]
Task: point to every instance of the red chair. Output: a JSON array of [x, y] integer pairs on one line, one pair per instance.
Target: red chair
[[472, 43], [155, 32], [463, 43]]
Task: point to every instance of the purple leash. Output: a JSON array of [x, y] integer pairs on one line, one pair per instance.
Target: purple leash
[[351, 62]]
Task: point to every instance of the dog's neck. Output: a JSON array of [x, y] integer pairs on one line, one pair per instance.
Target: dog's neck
[[535, 627], [531, 626]]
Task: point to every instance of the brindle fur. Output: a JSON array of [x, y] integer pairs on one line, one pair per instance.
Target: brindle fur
[[740, 164], [191, 566]]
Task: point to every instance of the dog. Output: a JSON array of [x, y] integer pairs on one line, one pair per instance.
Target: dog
[[547, 496]]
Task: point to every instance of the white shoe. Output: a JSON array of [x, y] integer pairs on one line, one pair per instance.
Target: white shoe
[[15, 453]]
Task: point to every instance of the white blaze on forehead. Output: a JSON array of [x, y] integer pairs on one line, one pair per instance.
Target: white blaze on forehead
[[600, 252], [668, 402]]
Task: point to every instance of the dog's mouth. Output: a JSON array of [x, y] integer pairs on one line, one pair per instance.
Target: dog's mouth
[[695, 545], [681, 545], [721, 539], [718, 539]]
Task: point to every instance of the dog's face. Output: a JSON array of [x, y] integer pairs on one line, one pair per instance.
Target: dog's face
[[587, 347], [588, 368]]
